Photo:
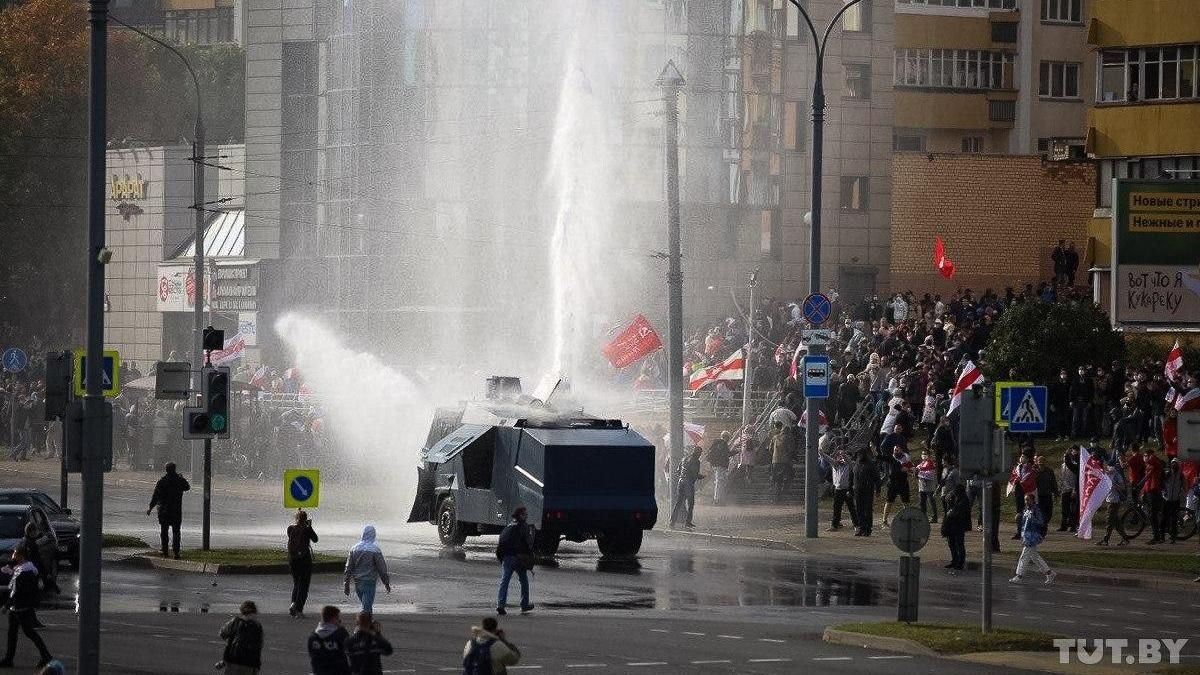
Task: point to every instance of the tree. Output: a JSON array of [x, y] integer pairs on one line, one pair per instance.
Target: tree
[[1034, 340]]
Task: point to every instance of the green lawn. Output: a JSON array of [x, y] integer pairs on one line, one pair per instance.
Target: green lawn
[[111, 540], [958, 638], [249, 556], [1183, 562]]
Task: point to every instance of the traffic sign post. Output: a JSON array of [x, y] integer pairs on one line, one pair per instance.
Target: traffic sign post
[[817, 308], [910, 533], [14, 359], [1028, 408], [301, 488]]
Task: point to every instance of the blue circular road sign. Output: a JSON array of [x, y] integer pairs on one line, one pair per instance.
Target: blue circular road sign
[[15, 360], [817, 308], [301, 488]]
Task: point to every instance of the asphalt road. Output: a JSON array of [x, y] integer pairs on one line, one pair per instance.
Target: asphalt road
[[685, 605]]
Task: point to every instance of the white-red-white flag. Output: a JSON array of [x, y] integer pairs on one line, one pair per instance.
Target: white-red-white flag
[[1094, 486], [694, 432], [234, 348], [732, 368], [795, 368], [1189, 401], [970, 376], [1174, 363], [822, 421], [260, 376]]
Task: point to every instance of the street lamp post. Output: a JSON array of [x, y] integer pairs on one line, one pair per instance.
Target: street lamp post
[[813, 428], [748, 368], [198, 323], [671, 81]]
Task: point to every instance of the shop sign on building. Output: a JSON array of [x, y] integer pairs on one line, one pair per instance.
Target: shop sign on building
[[1156, 270], [126, 188], [175, 289], [237, 288]]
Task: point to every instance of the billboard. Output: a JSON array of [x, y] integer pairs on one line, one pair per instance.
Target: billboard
[[1156, 253]]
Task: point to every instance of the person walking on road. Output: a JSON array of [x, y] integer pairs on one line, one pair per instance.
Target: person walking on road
[[685, 501], [243, 637], [515, 553], [1116, 474], [1047, 490], [1032, 534], [489, 650], [327, 644], [956, 522], [168, 497], [366, 567], [367, 646], [300, 538], [22, 601]]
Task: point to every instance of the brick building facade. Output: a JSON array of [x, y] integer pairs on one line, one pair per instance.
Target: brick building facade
[[1000, 217]]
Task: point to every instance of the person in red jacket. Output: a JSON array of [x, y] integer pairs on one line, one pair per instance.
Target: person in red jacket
[[1134, 470], [1151, 490]]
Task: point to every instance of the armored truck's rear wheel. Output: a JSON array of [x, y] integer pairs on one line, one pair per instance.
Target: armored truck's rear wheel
[[546, 542], [450, 531], [620, 542]]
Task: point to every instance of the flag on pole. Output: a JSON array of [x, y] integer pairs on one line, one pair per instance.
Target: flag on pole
[[1189, 401], [1094, 486], [732, 368], [1174, 362], [794, 371], [694, 432], [260, 376], [633, 344], [943, 264], [971, 375], [822, 421], [234, 348]]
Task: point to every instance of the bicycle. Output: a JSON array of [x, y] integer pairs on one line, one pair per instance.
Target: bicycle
[[1134, 519]]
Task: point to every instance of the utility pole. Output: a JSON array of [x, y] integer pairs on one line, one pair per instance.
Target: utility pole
[[748, 380], [92, 478], [671, 82], [812, 477]]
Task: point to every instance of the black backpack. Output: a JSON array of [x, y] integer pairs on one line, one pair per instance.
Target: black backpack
[[478, 660], [245, 645]]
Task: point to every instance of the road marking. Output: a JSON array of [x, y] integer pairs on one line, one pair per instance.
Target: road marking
[[1002, 614], [768, 660], [1170, 632], [580, 665], [1168, 602], [1036, 602], [881, 658], [1065, 620], [1136, 612], [516, 668], [833, 658], [1171, 616], [647, 663], [701, 663], [694, 634], [1075, 606], [189, 639], [1134, 628], [730, 637], [1096, 595], [1070, 592], [771, 640], [659, 630], [1100, 625], [1106, 609]]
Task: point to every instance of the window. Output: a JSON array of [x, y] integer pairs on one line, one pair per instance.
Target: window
[[972, 144], [953, 69], [1058, 80], [1062, 11], [908, 140], [1004, 31], [795, 125], [1149, 74], [858, 81], [857, 19], [769, 235], [982, 4], [794, 26], [855, 193]]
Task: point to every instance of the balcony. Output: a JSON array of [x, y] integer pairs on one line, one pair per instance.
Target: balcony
[[1144, 129], [1126, 23], [966, 110]]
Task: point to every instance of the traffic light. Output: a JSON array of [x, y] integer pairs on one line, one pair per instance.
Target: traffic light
[[215, 400]]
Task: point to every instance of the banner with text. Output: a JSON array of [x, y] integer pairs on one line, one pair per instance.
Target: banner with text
[[1156, 268], [635, 342]]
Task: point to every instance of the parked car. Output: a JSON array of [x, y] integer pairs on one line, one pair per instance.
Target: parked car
[[13, 519], [65, 527]]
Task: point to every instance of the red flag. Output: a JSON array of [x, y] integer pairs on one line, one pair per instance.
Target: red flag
[[634, 343], [1174, 363], [970, 376], [732, 368], [940, 261]]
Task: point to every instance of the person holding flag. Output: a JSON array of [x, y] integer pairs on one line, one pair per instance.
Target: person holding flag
[[969, 377]]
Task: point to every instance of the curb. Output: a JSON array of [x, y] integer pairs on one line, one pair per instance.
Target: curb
[[194, 567], [890, 644], [744, 541]]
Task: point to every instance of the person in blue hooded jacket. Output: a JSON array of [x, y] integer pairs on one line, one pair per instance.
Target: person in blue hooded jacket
[[1032, 533], [366, 567]]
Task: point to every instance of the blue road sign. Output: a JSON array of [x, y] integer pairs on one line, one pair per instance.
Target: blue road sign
[[1027, 410], [816, 376], [301, 488], [110, 373], [15, 359], [817, 308]]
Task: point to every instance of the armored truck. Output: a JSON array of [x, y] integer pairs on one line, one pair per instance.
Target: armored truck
[[579, 477]]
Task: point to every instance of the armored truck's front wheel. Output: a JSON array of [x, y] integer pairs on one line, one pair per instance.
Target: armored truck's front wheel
[[450, 530], [620, 543]]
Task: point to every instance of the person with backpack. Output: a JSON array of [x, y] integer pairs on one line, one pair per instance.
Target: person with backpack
[[1032, 533], [515, 553], [367, 646], [22, 601], [243, 637], [489, 651], [365, 566], [327, 644], [300, 538]]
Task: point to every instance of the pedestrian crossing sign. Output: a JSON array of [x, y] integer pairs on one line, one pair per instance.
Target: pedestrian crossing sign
[[301, 488], [1027, 412], [110, 373]]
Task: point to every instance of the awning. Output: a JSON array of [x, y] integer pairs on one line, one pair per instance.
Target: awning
[[224, 237]]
